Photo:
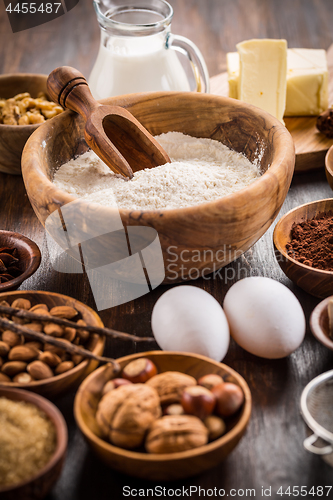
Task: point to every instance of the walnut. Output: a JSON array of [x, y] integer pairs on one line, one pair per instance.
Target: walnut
[[170, 385], [125, 414], [174, 433]]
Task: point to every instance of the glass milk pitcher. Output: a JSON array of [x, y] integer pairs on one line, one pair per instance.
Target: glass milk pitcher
[[138, 51]]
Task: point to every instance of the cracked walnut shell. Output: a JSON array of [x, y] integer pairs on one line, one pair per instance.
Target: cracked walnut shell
[[124, 414], [174, 433], [170, 385]]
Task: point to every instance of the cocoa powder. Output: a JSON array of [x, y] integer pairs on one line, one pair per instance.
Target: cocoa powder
[[312, 242]]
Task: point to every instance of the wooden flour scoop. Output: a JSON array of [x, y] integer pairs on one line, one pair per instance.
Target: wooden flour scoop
[[112, 132]]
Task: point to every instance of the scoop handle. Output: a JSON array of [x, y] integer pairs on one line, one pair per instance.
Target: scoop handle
[[69, 88]]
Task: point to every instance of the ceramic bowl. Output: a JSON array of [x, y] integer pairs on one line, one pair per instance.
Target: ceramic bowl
[[161, 466], [14, 137], [37, 487], [62, 383], [28, 254], [319, 323], [329, 166], [314, 281], [213, 233]]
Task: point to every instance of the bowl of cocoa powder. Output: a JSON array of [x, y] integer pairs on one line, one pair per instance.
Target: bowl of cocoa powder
[[303, 242]]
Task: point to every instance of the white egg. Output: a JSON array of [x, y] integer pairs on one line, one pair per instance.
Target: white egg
[[265, 317], [188, 319]]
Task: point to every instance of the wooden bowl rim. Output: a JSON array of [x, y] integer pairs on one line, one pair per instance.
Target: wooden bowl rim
[[19, 76], [58, 421], [272, 173], [166, 457], [80, 366], [329, 163], [315, 327], [34, 261], [281, 249]]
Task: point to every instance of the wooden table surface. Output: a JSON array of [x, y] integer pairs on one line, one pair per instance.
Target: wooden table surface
[[271, 453]]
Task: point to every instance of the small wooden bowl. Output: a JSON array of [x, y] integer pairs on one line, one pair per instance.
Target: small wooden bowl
[[319, 323], [29, 257], [39, 485], [210, 234], [329, 166], [14, 137], [161, 467], [314, 281], [59, 384]]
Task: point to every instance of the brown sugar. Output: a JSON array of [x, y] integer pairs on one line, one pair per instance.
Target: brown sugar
[[27, 441], [312, 242]]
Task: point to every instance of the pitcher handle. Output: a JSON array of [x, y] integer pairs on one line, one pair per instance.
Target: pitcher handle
[[191, 51]]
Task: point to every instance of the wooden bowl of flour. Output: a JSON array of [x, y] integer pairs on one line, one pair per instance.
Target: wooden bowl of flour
[[212, 234]]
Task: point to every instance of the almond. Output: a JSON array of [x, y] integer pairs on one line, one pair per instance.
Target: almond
[[35, 344], [12, 338], [39, 370], [23, 378], [66, 312], [64, 367], [50, 358], [77, 358], [56, 350], [11, 368], [4, 348], [53, 329], [70, 333], [37, 327], [23, 353], [21, 304], [39, 306], [83, 334], [4, 378]]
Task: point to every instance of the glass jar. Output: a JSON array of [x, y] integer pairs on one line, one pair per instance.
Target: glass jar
[[138, 51]]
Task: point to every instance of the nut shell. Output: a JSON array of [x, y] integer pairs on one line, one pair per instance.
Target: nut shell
[[170, 385], [124, 414], [174, 433]]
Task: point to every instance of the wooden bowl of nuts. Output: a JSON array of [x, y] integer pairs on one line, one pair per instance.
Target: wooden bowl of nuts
[[24, 105], [176, 415], [26, 360], [321, 322], [19, 259], [33, 445]]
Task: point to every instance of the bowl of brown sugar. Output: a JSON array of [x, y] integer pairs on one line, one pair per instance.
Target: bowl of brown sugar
[[33, 443], [303, 242]]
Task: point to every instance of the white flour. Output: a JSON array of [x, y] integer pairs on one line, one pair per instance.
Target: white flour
[[201, 170]]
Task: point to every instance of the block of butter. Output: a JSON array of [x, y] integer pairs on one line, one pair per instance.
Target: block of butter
[[307, 81], [262, 77]]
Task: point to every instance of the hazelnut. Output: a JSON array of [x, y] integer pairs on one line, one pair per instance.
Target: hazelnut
[[216, 426], [174, 409], [139, 371], [229, 398], [198, 401], [210, 380], [113, 384]]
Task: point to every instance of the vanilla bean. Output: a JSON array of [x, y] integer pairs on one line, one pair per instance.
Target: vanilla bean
[[66, 346], [108, 332]]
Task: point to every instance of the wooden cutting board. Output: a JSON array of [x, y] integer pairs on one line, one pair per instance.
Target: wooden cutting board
[[311, 146]]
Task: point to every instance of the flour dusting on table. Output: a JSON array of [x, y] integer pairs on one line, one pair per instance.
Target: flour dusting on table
[[202, 170]]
